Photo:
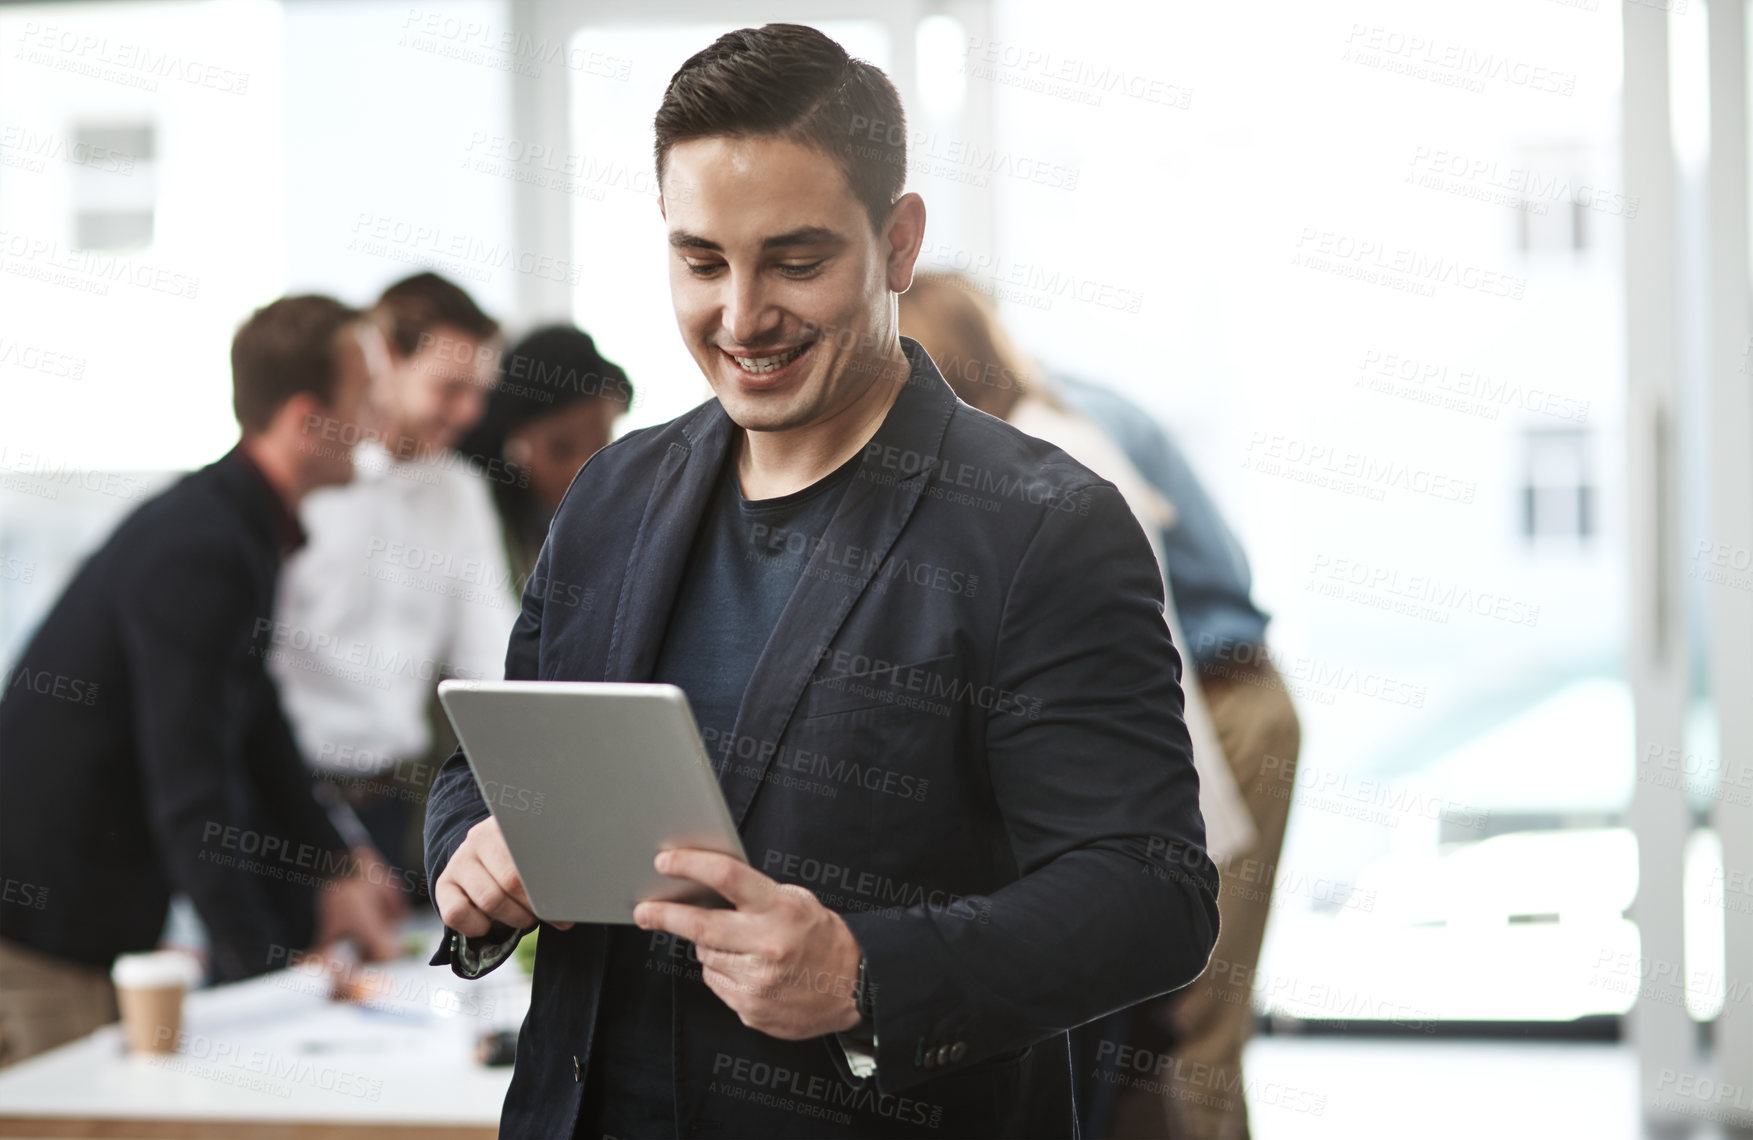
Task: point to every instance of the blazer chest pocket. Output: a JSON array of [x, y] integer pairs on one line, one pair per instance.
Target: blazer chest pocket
[[884, 735]]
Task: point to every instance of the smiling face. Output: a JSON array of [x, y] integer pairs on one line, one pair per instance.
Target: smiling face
[[783, 294], [432, 396]]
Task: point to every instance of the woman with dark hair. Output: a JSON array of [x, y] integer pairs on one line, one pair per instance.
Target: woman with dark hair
[[554, 407]]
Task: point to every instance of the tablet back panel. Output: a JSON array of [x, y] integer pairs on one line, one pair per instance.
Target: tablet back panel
[[589, 781]]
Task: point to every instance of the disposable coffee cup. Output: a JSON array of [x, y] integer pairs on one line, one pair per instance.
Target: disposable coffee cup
[[149, 990]]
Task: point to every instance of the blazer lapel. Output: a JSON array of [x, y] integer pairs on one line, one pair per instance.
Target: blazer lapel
[[870, 517], [659, 556]]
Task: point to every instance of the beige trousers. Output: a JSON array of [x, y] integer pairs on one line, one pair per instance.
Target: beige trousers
[[1202, 1097], [45, 1002]]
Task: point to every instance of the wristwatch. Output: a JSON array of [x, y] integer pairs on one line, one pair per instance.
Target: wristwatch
[[861, 991]]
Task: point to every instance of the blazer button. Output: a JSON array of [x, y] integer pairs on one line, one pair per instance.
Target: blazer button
[[931, 1058], [958, 1050], [943, 1054], [577, 1069]]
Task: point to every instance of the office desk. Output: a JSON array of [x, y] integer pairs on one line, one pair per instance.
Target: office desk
[[273, 1057]]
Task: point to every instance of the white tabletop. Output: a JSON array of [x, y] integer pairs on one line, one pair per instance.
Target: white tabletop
[[275, 1049]]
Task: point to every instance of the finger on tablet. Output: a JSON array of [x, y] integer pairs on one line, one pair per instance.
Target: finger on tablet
[[738, 882], [692, 923]]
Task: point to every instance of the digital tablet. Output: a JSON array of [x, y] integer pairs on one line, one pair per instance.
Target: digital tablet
[[589, 781]]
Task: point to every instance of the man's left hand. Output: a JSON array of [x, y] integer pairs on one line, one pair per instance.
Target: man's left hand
[[783, 962]]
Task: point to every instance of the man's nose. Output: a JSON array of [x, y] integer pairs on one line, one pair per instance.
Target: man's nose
[[747, 314], [470, 407]]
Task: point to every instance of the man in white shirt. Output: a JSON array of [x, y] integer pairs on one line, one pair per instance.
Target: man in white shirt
[[404, 579]]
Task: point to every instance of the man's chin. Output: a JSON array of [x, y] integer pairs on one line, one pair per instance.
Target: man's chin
[[763, 415]]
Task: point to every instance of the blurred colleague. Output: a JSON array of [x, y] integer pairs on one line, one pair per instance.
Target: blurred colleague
[[801, 555], [403, 581], [142, 747], [1203, 1028], [554, 407]]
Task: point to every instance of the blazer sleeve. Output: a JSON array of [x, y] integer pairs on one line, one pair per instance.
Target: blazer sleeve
[[285, 783], [185, 619], [454, 805], [1116, 900]]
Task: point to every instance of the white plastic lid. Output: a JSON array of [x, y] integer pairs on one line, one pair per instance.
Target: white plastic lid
[[157, 969]]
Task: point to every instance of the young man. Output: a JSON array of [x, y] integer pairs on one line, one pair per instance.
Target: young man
[[928, 657], [156, 758], [404, 579]]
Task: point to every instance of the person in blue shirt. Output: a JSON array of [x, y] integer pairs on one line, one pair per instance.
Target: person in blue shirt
[[1189, 1044]]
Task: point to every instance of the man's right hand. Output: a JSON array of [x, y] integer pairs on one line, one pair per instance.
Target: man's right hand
[[351, 908], [481, 886]]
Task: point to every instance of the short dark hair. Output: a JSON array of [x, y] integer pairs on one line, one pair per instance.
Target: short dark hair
[[550, 369], [414, 306], [285, 348], [793, 82]]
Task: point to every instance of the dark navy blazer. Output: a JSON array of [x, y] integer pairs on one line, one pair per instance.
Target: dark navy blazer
[[143, 749], [965, 736]]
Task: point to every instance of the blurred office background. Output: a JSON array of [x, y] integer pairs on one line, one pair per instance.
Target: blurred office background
[[1447, 303]]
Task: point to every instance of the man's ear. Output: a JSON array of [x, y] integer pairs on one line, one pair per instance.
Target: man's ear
[[904, 234], [303, 416], [661, 212]]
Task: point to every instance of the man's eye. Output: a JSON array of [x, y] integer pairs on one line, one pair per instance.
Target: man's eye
[[704, 268], [791, 270]]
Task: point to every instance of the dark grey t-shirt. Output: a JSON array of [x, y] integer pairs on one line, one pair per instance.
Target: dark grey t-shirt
[[746, 561]]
